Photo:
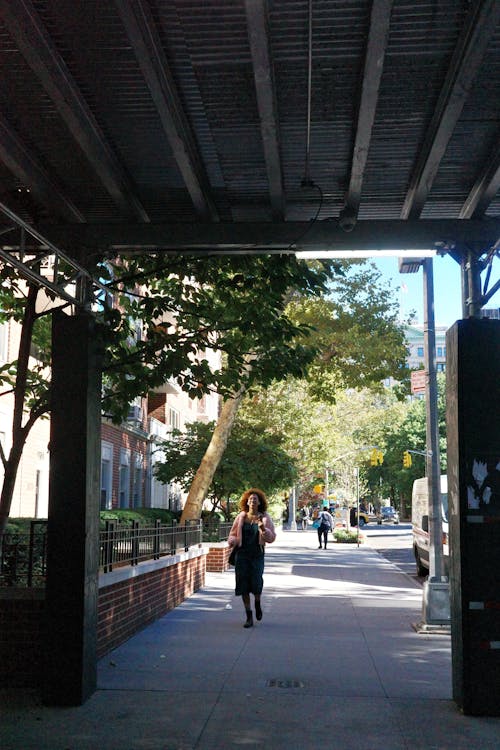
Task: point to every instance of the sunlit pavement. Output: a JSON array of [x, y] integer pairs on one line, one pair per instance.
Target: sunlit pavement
[[335, 662]]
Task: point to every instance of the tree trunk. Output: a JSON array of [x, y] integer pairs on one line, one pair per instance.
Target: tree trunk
[[206, 470], [9, 481], [19, 432]]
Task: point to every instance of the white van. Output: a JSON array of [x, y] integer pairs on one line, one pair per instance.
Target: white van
[[420, 524]]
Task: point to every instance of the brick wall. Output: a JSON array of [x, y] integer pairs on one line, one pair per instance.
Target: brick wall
[[157, 406], [217, 558], [129, 599], [133, 442], [21, 622], [132, 603]]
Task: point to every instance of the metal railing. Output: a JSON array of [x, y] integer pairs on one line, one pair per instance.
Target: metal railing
[[23, 556], [135, 544], [215, 530]]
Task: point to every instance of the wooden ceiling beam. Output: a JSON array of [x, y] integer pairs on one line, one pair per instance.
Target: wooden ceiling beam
[[277, 237], [260, 47], [141, 31], [485, 188], [28, 170], [26, 28], [378, 35], [469, 53]]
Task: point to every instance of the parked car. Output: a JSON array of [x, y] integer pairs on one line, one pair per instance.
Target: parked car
[[387, 514], [364, 518]]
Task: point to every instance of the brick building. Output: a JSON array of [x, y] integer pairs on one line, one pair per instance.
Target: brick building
[[128, 452]]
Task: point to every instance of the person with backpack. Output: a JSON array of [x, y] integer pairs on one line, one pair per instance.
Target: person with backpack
[[326, 522]]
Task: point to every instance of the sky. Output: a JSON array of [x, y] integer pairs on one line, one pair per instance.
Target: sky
[[410, 289]]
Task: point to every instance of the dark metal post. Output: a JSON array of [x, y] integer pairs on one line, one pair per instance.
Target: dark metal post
[[473, 441], [70, 671], [436, 598]]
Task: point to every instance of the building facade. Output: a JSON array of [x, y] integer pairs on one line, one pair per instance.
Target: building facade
[[129, 451]]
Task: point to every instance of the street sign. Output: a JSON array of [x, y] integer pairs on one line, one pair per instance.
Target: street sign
[[418, 378]]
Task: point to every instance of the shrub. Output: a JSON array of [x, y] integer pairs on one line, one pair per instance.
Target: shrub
[[144, 516], [342, 535]]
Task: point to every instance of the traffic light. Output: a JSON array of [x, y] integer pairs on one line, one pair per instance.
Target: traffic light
[[376, 457], [318, 488], [407, 459]]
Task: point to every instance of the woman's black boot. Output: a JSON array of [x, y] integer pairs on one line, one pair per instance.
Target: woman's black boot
[[249, 622], [258, 610]]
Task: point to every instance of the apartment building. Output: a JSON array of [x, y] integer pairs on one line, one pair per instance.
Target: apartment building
[[128, 451], [414, 335]]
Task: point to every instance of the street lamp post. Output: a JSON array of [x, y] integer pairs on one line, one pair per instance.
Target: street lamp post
[[292, 509], [436, 597], [436, 601], [357, 504]]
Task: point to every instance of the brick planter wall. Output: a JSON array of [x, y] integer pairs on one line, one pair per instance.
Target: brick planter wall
[[21, 623], [218, 556], [129, 599], [132, 602]]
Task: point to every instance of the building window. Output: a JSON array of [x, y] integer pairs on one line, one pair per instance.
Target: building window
[[137, 482], [124, 480], [173, 418], [440, 351], [420, 351], [106, 475]]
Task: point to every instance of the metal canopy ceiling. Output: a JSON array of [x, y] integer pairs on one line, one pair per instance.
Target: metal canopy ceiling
[[250, 125]]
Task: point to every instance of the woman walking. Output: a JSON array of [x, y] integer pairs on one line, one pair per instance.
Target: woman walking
[[325, 520], [251, 530]]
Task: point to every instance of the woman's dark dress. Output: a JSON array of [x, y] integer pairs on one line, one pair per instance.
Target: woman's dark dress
[[249, 566]]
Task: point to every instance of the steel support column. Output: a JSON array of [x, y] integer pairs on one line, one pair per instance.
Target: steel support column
[[73, 525], [473, 436]]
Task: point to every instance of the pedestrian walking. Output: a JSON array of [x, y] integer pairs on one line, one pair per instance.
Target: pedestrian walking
[[304, 517], [325, 520], [252, 529]]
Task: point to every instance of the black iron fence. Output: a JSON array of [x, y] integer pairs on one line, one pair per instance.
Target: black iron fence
[[215, 530], [23, 556], [132, 545]]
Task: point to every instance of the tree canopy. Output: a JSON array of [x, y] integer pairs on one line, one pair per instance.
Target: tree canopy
[[159, 320], [252, 458], [233, 305]]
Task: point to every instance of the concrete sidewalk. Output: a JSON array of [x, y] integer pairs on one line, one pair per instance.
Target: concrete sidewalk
[[335, 662]]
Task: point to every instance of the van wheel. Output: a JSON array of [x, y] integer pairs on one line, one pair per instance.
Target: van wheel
[[421, 570]]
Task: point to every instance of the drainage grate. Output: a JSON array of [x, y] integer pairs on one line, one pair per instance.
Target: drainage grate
[[285, 683]]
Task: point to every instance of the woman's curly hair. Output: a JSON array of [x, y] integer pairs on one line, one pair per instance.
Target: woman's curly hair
[[253, 491]]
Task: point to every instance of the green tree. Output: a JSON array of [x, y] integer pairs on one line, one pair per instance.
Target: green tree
[[251, 458], [357, 332], [327, 413], [25, 378], [166, 313], [404, 428]]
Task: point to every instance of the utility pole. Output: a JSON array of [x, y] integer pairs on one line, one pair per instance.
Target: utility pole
[[436, 599], [292, 509]]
